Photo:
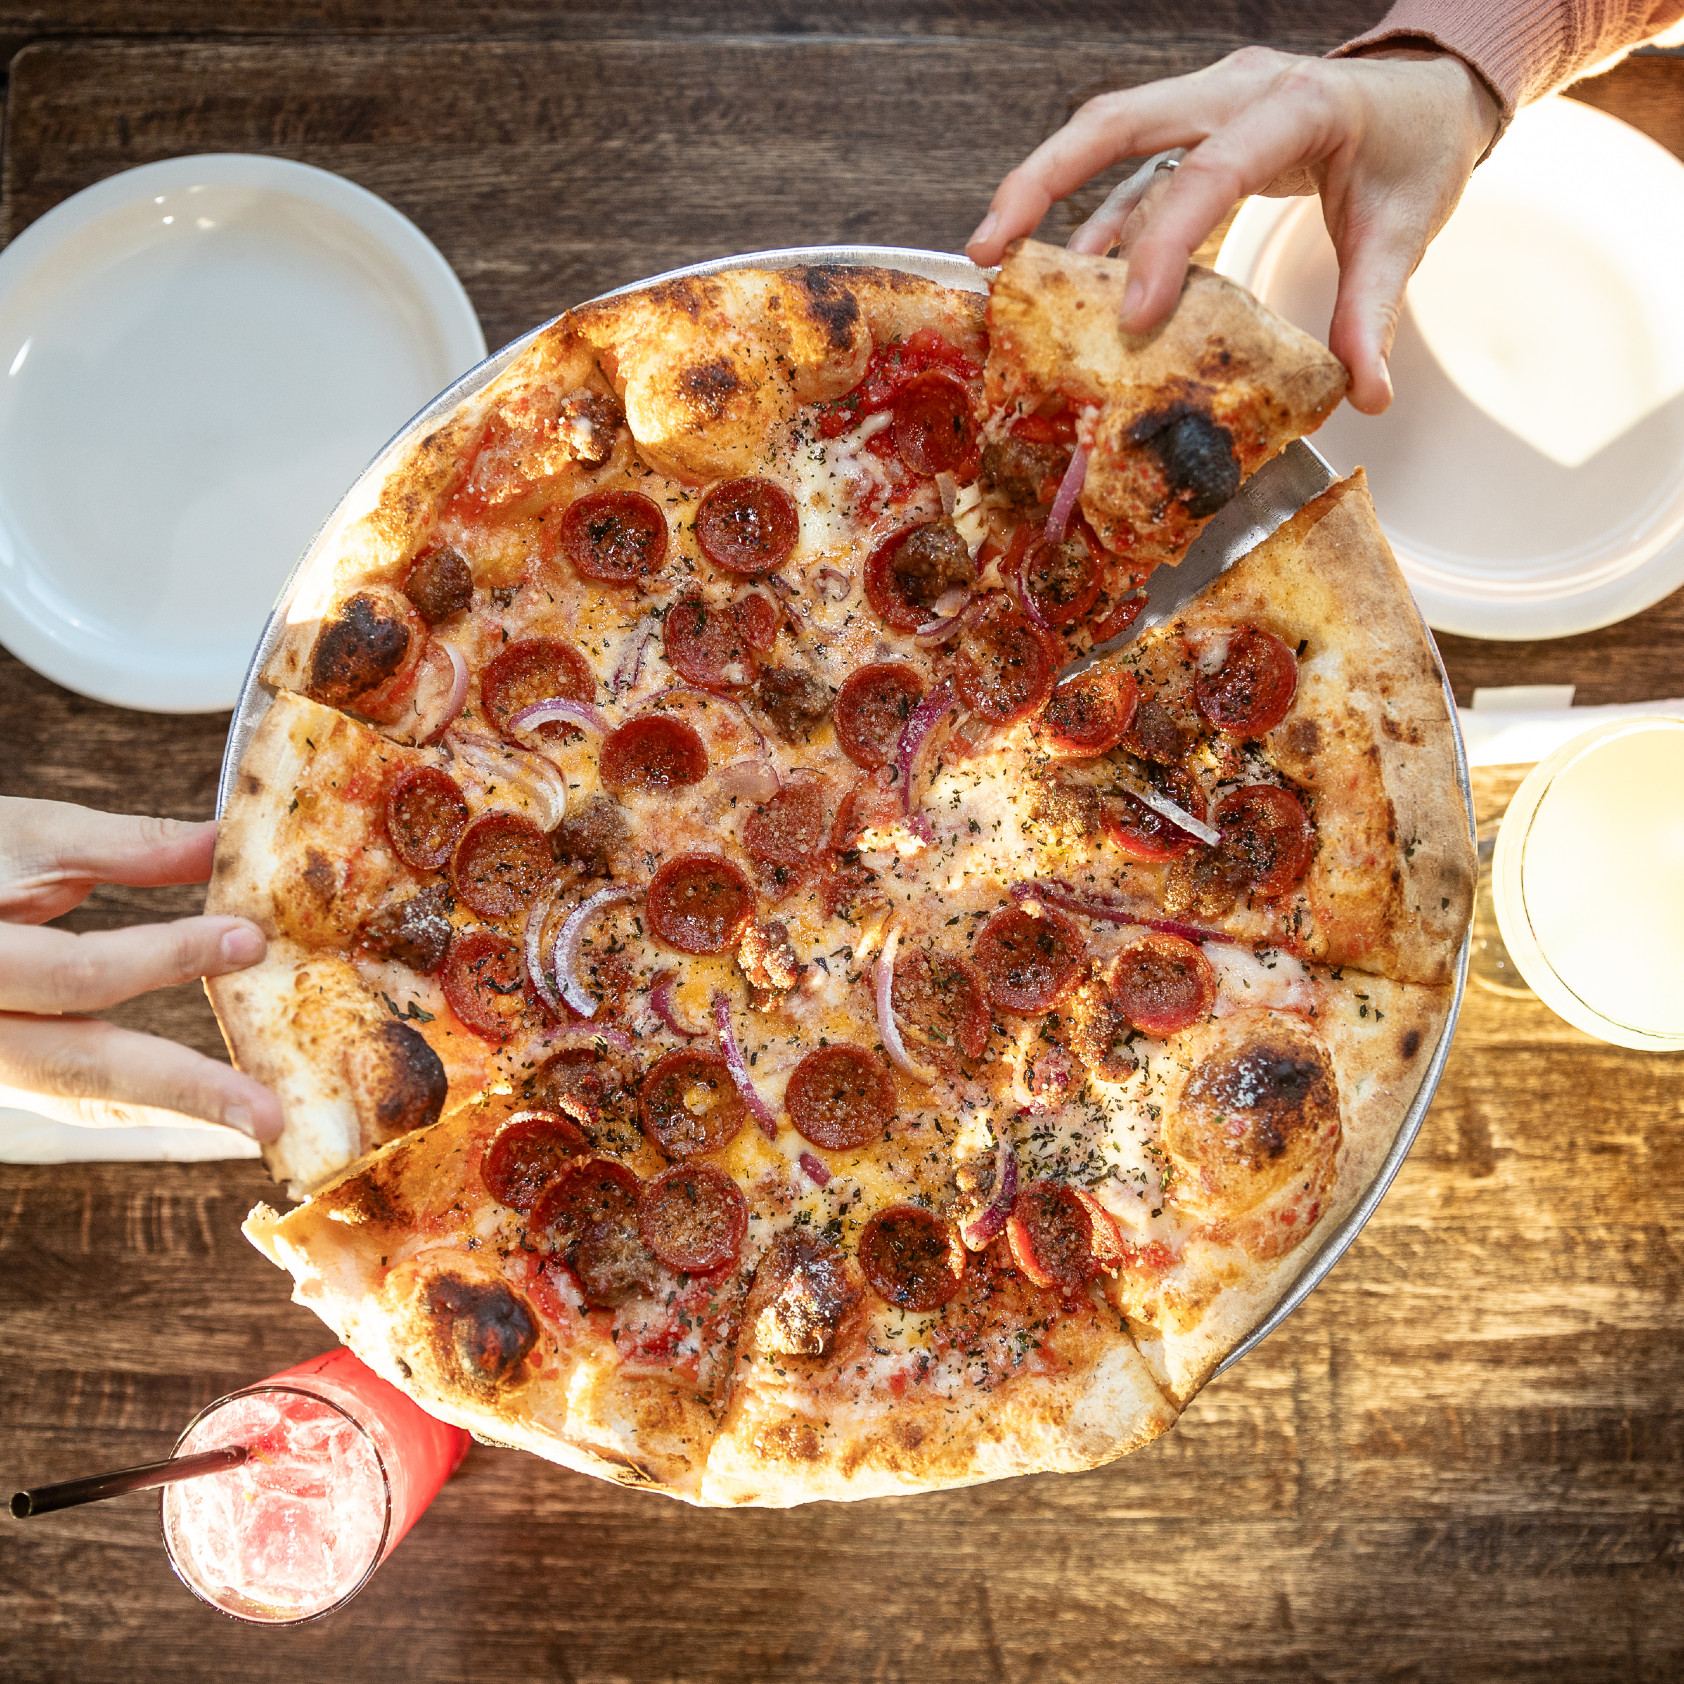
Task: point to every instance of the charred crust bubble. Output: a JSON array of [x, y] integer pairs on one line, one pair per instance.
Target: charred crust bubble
[[1197, 456], [710, 385], [830, 302], [404, 1079], [482, 1331], [415, 932], [360, 648], [1411, 1043], [1278, 1088], [440, 584]]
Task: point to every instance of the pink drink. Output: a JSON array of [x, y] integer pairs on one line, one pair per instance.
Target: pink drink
[[341, 1465]]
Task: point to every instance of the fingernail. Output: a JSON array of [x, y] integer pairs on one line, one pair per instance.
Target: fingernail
[[239, 1117], [242, 946], [1134, 295], [983, 229]]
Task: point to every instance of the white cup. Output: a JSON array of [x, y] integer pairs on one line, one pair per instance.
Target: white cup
[[1587, 880]]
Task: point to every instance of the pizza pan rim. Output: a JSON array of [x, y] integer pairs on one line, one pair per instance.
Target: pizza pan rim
[[949, 270]]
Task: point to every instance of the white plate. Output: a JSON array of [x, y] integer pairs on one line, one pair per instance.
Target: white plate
[[1530, 472], [200, 356]]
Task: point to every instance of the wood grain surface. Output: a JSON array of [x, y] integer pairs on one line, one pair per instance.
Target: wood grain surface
[[1460, 1459]]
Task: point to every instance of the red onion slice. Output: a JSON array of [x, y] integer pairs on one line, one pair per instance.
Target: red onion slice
[[1061, 895], [572, 933], [887, 1026], [1069, 489], [947, 488], [661, 1003], [458, 696], [607, 1034], [541, 978], [1031, 608], [530, 775], [781, 585], [1043, 1080], [816, 1172], [631, 662], [738, 1066], [990, 1222], [834, 584], [753, 780], [923, 721], [558, 710]]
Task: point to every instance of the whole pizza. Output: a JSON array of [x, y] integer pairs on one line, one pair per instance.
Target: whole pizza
[[748, 1025]]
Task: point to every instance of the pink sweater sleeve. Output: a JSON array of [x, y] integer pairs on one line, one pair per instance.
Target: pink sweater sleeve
[[1524, 48]]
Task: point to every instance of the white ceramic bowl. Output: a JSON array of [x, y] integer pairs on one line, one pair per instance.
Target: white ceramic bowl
[[1530, 472], [199, 355]]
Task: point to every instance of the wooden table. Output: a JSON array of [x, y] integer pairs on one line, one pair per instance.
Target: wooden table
[[1463, 1458]]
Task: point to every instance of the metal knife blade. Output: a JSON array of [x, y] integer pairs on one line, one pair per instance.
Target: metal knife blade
[[1266, 502]]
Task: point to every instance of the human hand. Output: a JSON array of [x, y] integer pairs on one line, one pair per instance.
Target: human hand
[[1388, 140], [81, 1069]]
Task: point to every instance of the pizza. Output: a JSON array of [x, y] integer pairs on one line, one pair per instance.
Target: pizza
[[746, 1028]]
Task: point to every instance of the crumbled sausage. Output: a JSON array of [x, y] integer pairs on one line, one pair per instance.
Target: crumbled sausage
[[931, 560], [588, 422], [1018, 469], [800, 1294], [440, 584], [794, 699], [415, 932], [589, 837]]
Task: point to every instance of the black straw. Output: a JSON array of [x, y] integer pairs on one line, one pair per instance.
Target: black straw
[[73, 1492]]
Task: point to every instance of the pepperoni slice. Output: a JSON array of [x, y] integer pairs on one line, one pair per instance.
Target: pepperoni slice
[[502, 861], [712, 647], [1028, 963], [1145, 834], [617, 537], [1251, 692], [1089, 714], [699, 903], [590, 1190], [1063, 579], [1046, 429], [1050, 1233], [530, 1151], [841, 1097], [1157, 735], [1267, 834], [693, 1217], [537, 669], [941, 997], [1127, 611], [910, 1258], [485, 983], [872, 709], [932, 429], [653, 752], [1006, 668], [758, 621], [790, 829], [1163, 983], [690, 1105], [425, 813], [747, 526]]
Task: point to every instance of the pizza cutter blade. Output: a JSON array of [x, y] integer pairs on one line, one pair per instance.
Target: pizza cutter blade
[[1267, 501]]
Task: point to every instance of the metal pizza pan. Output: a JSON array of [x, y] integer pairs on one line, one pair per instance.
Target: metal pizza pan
[[948, 270]]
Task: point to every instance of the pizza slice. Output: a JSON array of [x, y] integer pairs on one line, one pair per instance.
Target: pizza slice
[[1295, 718], [1162, 426]]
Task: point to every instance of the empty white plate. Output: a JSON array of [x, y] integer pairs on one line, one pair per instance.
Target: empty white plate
[[1530, 472], [197, 357]]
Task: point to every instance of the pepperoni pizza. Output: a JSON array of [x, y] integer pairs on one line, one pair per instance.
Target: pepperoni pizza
[[745, 1028]]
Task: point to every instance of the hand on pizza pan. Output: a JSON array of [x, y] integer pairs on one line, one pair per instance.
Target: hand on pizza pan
[[81, 1069], [1388, 140]]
